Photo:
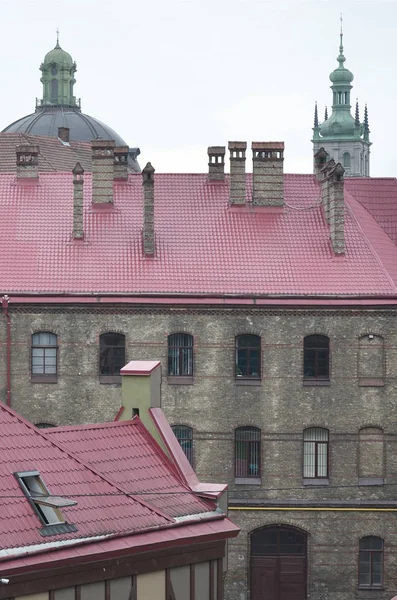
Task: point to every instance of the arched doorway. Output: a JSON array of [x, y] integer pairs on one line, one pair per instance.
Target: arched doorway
[[278, 564]]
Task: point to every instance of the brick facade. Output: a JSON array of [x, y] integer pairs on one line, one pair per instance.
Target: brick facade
[[360, 394]]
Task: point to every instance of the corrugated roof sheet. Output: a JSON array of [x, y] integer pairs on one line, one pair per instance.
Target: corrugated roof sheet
[[202, 245]]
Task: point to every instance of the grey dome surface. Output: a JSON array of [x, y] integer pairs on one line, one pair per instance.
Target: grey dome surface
[[46, 120]]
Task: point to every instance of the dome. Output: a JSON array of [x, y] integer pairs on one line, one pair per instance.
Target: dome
[[341, 75], [46, 120], [339, 124], [58, 56]]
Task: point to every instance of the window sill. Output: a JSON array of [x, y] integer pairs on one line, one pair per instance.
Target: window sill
[[315, 481], [109, 379], [247, 381], [44, 379], [316, 382], [180, 380], [371, 382], [247, 481], [371, 481], [371, 588]]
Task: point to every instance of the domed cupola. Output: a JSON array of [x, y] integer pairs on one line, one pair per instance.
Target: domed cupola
[[58, 71]]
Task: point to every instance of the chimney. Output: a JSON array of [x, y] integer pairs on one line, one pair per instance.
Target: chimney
[[216, 163], [121, 163], [325, 184], [63, 134], [268, 176], [237, 172], [148, 210], [337, 209], [320, 158], [140, 391], [78, 181], [27, 162], [102, 171]]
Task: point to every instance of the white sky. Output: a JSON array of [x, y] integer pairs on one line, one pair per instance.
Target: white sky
[[175, 76]]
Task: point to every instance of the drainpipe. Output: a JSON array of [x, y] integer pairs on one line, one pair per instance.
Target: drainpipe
[[4, 302]]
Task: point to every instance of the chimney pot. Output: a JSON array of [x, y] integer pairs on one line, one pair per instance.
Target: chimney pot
[[237, 172], [102, 171], [268, 176], [121, 162], [64, 134], [27, 161], [216, 163]]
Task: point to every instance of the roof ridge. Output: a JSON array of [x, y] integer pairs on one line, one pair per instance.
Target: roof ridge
[[41, 432], [104, 425]]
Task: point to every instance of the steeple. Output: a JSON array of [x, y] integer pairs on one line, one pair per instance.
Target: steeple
[[342, 136], [58, 71]]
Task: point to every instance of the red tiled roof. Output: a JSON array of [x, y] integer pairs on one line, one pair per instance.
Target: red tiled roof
[[103, 507], [202, 245], [126, 453]]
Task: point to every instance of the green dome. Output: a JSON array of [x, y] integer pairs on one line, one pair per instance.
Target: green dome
[[339, 124], [58, 56]]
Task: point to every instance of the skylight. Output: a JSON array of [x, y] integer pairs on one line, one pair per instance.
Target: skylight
[[46, 506]]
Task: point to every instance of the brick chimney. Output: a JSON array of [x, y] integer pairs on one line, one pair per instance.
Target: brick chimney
[[64, 134], [27, 162], [337, 209], [237, 172], [121, 163], [320, 158], [102, 171], [78, 181], [268, 176], [216, 163], [148, 210], [325, 184]]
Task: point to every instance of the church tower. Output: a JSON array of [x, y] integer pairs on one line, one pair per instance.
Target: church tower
[[58, 71], [342, 136]]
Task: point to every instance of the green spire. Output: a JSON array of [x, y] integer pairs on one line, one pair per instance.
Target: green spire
[[58, 71], [366, 124], [357, 115], [326, 114], [315, 116]]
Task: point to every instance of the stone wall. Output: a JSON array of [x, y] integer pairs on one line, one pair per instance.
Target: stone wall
[[282, 405]]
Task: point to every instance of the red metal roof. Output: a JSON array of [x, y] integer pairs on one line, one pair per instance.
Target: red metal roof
[[103, 507], [127, 454], [202, 245]]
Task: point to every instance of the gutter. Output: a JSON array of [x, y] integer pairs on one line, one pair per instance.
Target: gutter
[[4, 302]]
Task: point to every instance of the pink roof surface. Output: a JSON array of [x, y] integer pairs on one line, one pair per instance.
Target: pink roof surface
[[103, 506], [127, 454], [202, 245]]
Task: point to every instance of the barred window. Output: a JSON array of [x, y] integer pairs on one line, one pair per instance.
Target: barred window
[[248, 356], [247, 452], [316, 357], [184, 435], [44, 354], [111, 353], [370, 569], [315, 452], [180, 354]]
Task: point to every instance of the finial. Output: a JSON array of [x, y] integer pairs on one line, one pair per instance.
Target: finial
[[326, 114], [357, 115], [315, 115], [341, 59], [366, 124], [57, 46]]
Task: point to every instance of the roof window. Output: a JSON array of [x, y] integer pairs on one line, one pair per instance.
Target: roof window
[[46, 506]]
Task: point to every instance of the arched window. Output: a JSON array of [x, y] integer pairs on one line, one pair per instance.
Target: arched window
[[247, 452], [316, 357], [346, 160], [315, 453], [54, 91], [248, 356], [44, 355], [111, 353], [371, 360], [180, 354], [370, 569], [184, 435]]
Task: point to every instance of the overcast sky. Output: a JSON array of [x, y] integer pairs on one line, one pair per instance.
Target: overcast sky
[[175, 76]]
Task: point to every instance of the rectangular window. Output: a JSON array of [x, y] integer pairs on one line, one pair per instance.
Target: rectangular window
[[315, 453]]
